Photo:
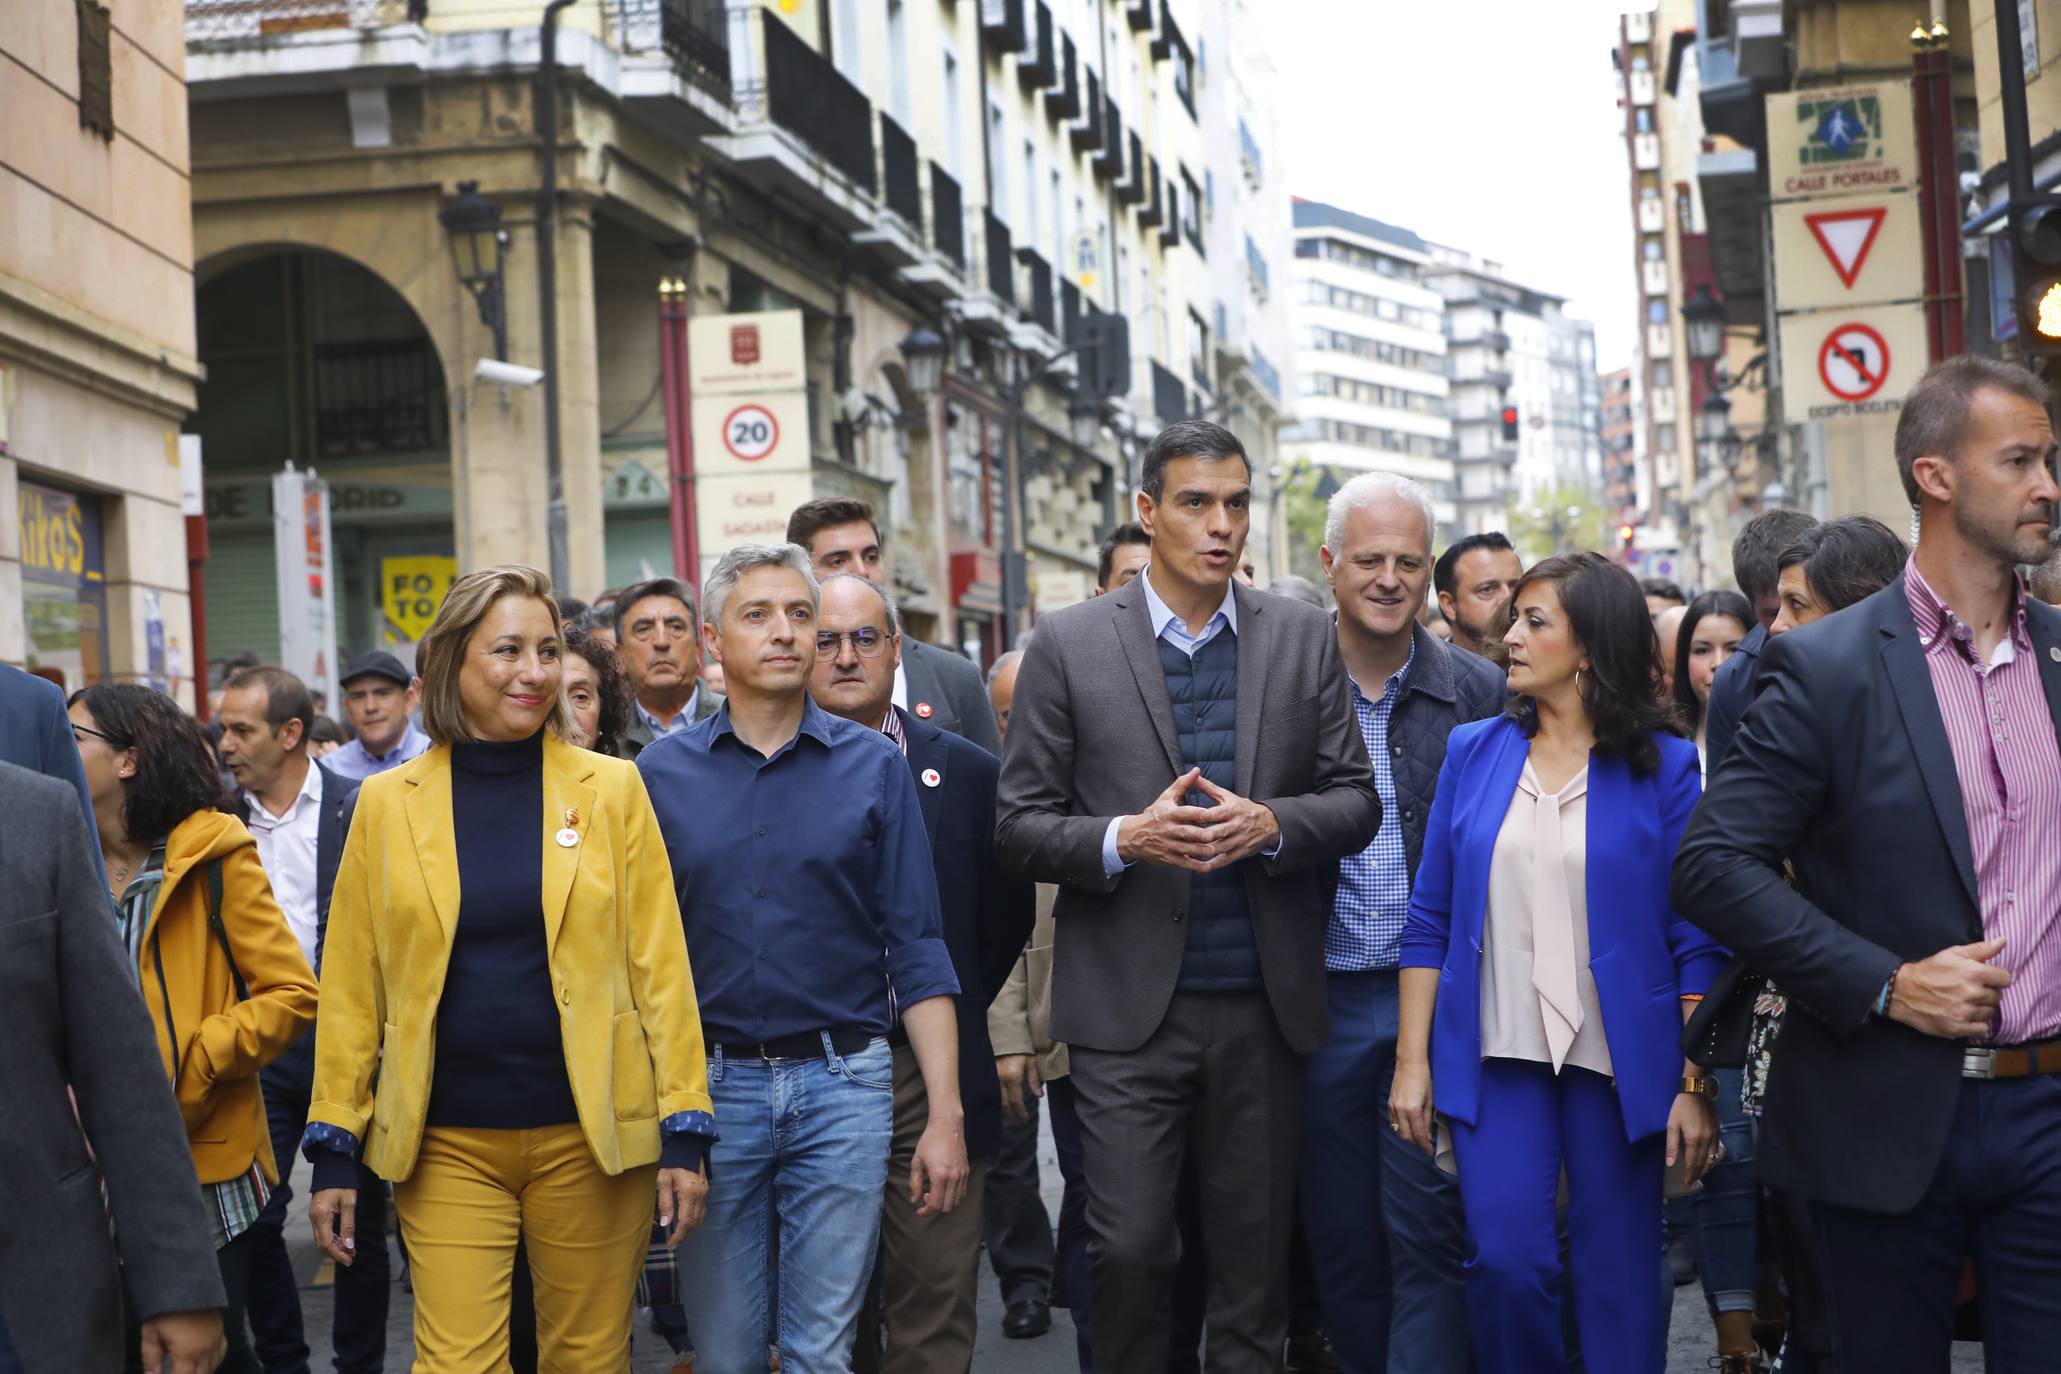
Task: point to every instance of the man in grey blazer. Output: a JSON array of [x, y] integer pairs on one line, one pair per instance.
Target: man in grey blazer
[[73, 1018], [1184, 763]]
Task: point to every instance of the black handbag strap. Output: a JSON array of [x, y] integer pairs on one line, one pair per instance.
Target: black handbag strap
[[222, 931]]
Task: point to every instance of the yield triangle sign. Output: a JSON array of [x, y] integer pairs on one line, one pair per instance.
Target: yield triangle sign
[[1846, 236]]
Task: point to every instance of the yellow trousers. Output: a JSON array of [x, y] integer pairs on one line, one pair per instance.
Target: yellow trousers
[[471, 1195]]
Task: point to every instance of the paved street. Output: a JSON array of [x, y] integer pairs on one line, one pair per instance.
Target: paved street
[[1689, 1347]]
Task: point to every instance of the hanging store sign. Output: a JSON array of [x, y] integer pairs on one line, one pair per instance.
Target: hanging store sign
[[302, 552]]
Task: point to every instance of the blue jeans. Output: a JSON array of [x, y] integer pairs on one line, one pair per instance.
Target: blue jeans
[[1387, 1239], [804, 1148], [1727, 1210]]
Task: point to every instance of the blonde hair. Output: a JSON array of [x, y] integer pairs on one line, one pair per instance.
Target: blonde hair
[[443, 648]]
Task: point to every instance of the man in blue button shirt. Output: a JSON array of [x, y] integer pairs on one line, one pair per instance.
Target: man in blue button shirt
[[811, 905], [1387, 1239]]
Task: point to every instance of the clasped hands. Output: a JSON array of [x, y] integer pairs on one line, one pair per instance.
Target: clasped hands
[[1201, 839]]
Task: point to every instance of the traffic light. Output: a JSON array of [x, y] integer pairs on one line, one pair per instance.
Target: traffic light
[[1509, 424], [1624, 536], [2036, 253]]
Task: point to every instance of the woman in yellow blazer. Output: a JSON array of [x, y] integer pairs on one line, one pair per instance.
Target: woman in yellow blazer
[[509, 1028], [225, 981]]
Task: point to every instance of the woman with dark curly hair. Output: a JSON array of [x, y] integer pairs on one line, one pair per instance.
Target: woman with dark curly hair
[[598, 691], [225, 981], [1545, 978]]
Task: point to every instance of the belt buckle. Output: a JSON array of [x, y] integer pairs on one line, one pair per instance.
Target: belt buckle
[[1979, 1061]]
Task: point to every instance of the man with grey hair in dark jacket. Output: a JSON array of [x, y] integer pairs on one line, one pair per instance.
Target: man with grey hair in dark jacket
[[1385, 1229]]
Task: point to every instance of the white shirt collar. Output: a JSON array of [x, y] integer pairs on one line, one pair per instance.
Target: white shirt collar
[[1163, 614], [310, 793]]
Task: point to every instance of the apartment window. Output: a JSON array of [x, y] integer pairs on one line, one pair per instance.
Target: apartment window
[[1642, 119], [998, 173], [1653, 250], [845, 42], [1664, 437], [1198, 350], [1662, 376], [898, 61], [954, 139], [1184, 77], [1656, 311], [1191, 210], [1058, 224], [1030, 223], [96, 69]]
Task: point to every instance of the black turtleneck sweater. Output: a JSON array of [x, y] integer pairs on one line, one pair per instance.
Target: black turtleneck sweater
[[500, 1057]]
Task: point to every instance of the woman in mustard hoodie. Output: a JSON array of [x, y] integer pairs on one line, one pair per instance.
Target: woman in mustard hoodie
[[225, 981]]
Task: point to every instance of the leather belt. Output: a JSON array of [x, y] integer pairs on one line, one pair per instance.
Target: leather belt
[[804, 1045], [2012, 1061]]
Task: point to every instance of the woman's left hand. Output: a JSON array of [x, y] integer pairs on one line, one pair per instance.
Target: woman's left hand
[[1692, 1132], [682, 1202]]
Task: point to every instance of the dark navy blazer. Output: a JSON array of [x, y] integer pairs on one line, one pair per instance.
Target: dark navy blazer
[[1645, 958]]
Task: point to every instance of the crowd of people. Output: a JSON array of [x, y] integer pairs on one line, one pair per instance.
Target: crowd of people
[[1397, 960]]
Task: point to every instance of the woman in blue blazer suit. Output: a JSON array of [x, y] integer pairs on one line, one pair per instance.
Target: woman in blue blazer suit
[[1545, 978]]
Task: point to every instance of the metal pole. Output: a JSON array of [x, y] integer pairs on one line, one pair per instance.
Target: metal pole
[[547, 286], [1012, 457], [1929, 189], [2011, 95]]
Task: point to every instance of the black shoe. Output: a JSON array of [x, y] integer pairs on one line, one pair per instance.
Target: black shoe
[[1681, 1258], [1026, 1319], [1309, 1352]]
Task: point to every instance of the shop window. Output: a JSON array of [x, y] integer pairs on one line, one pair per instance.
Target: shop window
[[64, 585]]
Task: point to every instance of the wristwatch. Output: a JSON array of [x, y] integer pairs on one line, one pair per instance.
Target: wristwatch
[[1701, 1086]]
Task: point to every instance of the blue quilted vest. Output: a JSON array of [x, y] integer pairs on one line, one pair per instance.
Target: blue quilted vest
[[1220, 955]]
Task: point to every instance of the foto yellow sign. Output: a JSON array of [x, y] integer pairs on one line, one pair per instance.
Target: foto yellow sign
[[411, 589]]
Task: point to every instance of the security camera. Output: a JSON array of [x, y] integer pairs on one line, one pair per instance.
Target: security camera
[[506, 374]]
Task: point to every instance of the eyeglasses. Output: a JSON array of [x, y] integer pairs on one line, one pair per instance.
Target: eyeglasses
[[109, 740], [867, 641]]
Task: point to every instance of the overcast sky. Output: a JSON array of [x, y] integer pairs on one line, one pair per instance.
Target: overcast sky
[[1488, 124]]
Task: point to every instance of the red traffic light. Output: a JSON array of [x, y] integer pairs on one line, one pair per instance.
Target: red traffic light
[[1509, 415], [1509, 424]]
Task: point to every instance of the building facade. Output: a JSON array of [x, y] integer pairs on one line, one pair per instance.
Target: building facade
[[1374, 381], [98, 363], [1623, 435], [1527, 408], [988, 175]]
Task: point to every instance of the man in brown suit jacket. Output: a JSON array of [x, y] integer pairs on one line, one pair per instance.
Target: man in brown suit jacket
[[1185, 766]]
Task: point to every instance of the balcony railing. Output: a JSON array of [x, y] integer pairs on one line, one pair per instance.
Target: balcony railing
[[1087, 135], [1152, 213], [1269, 376], [811, 99], [219, 21], [1040, 65], [1109, 160], [1131, 189], [1001, 24], [898, 172], [1001, 260], [947, 216], [1063, 101], [694, 33], [1256, 268], [1071, 311], [1169, 395], [1040, 273]]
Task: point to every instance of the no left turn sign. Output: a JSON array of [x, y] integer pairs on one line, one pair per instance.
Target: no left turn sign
[[750, 432], [1853, 362]]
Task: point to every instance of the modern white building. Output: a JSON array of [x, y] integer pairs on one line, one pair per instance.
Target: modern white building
[[1515, 349], [1370, 353]]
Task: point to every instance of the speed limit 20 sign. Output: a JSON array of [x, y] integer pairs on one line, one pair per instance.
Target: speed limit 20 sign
[[750, 432]]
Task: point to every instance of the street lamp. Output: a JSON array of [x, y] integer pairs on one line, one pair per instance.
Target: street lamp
[[477, 244], [1715, 441], [1083, 419], [924, 351], [1704, 314]]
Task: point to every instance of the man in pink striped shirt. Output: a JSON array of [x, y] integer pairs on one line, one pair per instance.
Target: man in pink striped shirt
[[1902, 755]]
